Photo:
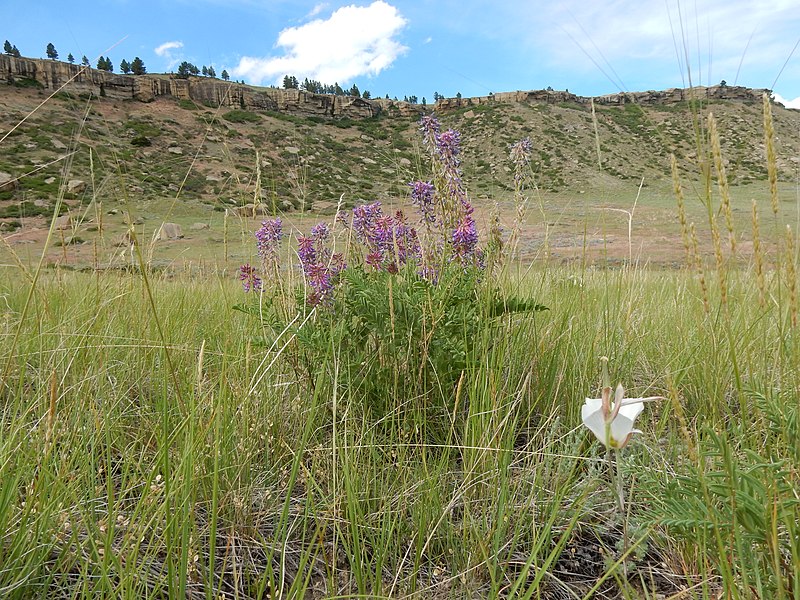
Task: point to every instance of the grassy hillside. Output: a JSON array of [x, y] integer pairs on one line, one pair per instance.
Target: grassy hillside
[[177, 161]]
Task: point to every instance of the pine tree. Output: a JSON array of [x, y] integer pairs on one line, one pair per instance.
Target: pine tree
[[185, 69], [8, 48], [70, 59], [52, 53], [85, 61], [14, 52], [137, 66], [124, 66], [205, 71], [225, 75], [211, 72], [366, 94], [354, 91]]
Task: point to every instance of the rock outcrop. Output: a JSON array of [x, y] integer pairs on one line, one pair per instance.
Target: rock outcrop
[[56, 75], [651, 97]]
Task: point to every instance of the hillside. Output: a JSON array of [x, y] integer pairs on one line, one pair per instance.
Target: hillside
[[181, 159]]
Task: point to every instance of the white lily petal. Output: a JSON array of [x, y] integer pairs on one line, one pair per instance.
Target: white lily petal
[[621, 428], [631, 411], [593, 420]]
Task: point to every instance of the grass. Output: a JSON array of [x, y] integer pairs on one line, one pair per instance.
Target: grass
[[129, 475]]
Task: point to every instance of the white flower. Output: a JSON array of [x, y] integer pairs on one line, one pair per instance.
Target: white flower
[[612, 424]]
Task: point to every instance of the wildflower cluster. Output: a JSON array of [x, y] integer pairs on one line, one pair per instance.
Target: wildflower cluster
[[447, 195], [390, 242]]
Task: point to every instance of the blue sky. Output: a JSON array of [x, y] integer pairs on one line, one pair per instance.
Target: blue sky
[[404, 47]]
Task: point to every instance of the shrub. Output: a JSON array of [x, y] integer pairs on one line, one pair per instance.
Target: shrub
[[399, 318], [241, 116]]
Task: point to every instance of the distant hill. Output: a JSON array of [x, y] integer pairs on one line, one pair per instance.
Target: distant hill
[[203, 145]]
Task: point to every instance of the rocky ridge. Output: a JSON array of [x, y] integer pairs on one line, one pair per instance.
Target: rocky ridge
[[56, 75]]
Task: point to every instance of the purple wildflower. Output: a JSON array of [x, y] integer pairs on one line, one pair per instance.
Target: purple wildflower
[[268, 237], [321, 232], [306, 251], [429, 126], [422, 196], [521, 155], [465, 241], [375, 260], [448, 144], [320, 266], [364, 217], [249, 278]]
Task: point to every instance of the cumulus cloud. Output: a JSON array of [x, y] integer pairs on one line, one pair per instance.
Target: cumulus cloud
[[353, 41], [164, 49], [788, 103]]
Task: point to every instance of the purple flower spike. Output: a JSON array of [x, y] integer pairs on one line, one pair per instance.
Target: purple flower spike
[[429, 126], [422, 194], [448, 143], [465, 240], [321, 232], [249, 278], [268, 237], [306, 251]]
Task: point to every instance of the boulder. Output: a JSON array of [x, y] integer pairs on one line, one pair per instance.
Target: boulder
[[7, 182], [169, 231], [76, 186], [63, 222]]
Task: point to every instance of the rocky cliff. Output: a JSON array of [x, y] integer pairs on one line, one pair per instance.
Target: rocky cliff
[[55, 75]]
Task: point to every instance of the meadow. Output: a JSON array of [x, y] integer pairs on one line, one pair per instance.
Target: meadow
[[394, 415]]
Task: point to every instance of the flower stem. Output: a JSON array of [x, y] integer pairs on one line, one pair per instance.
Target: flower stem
[[619, 493]]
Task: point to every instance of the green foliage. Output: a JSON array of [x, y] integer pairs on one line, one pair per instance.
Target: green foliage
[[137, 66], [185, 69], [187, 104], [402, 343], [742, 502], [142, 128], [141, 141], [27, 82], [52, 53], [27, 209], [241, 116]]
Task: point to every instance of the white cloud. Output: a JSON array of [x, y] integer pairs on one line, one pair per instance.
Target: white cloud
[[788, 103], [353, 41], [636, 35], [318, 8], [164, 49]]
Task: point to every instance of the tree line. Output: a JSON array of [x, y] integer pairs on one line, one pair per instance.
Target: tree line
[[187, 69]]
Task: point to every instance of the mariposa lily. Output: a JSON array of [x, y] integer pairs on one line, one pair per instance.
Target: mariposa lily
[[612, 423]]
